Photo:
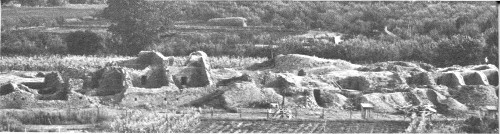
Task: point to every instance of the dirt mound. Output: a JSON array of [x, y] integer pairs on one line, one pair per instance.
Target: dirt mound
[[150, 58], [360, 83], [475, 78], [225, 73], [481, 67], [398, 66], [423, 78], [242, 95], [306, 99], [291, 62], [477, 95], [330, 99], [156, 77], [242, 78], [443, 104], [492, 75], [365, 81], [451, 79], [387, 102], [8, 88]]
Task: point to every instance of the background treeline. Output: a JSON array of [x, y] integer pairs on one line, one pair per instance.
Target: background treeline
[[53, 2], [440, 33]]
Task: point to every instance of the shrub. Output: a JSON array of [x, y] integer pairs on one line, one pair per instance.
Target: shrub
[[8, 123], [480, 125], [461, 50], [84, 42], [57, 2], [32, 2], [79, 1]]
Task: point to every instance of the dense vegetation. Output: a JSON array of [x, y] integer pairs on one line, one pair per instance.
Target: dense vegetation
[[440, 33]]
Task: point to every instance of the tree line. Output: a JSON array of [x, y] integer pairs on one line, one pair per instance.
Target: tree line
[[440, 33]]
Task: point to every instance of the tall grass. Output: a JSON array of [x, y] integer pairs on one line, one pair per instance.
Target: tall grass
[[58, 117], [61, 63], [141, 121], [55, 62]]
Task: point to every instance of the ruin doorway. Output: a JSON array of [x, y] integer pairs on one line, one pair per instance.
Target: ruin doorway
[[184, 80], [317, 97], [144, 80]]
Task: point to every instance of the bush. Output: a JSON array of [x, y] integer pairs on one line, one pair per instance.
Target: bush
[[480, 125], [33, 2], [79, 1], [460, 50], [8, 123], [57, 2], [31, 43], [84, 42]]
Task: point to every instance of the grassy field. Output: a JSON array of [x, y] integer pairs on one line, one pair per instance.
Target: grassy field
[[60, 63]]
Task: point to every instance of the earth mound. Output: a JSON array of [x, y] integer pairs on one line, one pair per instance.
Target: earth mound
[[295, 62], [398, 66]]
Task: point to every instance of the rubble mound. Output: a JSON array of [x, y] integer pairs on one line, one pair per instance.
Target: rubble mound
[[306, 99], [492, 75], [8, 88], [387, 102], [53, 83], [109, 81], [330, 99], [451, 79], [398, 66], [291, 62], [145, 59], [477, 95], [475, 78], [242, 78], [423, 78], [242, 95], [443, 104]]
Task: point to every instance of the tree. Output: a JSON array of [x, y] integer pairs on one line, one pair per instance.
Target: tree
[[83, 43], [138, 22]]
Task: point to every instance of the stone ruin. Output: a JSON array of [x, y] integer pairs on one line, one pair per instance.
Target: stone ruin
[[148, 79], [53, 92]]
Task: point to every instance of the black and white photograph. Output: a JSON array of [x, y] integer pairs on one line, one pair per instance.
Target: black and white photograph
[[249, 66]]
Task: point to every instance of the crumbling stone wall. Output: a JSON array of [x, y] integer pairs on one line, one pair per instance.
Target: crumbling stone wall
[[164, 96]]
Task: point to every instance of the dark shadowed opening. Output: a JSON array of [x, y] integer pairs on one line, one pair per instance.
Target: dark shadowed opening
[[6, 89], [184, 80], [317, 97], [144, 80]]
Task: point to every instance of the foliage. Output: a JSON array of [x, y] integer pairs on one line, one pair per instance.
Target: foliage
[[480, 125], [8, 123], [140, 121], [138, 22], [57, 2], [32, 2], [59, 117], [461, 50], [84, 43], [62, 63], [31, 43]]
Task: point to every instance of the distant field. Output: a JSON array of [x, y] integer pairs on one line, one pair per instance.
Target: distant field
[[50, 12]]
